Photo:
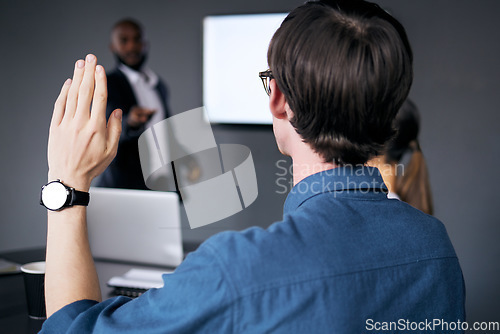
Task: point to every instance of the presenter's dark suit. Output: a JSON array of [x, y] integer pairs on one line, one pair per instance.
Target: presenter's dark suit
[[125, 170]]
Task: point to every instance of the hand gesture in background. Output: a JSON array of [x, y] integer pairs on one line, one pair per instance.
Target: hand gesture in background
[[139, 115]]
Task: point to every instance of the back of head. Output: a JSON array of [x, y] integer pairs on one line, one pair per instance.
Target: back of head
[[345, 68]]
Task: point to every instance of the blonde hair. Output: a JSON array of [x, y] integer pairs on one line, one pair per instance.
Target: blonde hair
[[413, 185]]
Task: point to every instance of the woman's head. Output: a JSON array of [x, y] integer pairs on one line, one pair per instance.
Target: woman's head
[[412, 186], [407, 126]]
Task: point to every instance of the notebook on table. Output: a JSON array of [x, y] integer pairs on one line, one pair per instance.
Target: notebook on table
[[139, 226]]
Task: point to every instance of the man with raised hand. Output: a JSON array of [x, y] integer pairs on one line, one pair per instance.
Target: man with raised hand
[[344, 258]]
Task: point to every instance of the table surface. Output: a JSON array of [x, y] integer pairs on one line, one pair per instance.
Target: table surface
[[13, 308]]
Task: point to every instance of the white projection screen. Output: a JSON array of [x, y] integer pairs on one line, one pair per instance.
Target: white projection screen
[[234, 52]]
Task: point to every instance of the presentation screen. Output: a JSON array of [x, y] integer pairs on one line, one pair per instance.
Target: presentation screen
[[234, 52]]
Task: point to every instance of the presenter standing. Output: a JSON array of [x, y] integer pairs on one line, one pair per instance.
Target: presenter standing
[[140, 94]]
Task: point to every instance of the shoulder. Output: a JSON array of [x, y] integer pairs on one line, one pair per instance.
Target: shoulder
[[251, 241], [162, 86], [116, 75], [119, 89], [226, 245], [336, 238], [257, 257]]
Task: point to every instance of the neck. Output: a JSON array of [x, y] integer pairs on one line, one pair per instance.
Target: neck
[[136, 67], [306, 163], [305, 160]]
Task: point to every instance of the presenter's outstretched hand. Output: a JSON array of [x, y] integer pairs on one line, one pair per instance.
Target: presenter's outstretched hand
[[138, 116], [81, 144]]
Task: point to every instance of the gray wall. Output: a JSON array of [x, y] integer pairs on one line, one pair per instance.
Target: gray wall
[[456, 46]]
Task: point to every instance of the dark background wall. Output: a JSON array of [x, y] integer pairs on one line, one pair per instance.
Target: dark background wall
[[456, 86]]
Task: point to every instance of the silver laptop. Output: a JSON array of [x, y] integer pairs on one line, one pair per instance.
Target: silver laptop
[[135, 226]]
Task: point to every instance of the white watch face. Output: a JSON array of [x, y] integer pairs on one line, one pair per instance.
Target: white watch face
[[54, 195]]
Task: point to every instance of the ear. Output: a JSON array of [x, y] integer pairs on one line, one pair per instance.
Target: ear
[[277, 102]]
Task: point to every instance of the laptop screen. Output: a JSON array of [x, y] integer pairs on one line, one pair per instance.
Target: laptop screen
[[139, 226]]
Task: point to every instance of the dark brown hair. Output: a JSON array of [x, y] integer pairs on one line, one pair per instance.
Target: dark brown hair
[[345, 68], [413, 185]]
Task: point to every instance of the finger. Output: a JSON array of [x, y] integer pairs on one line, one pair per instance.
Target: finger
[[143, 112], [114, 131], [100, 97], [72, 99], [86, 90], [60, 104]]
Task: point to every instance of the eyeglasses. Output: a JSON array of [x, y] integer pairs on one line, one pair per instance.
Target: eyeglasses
[[266, 77]]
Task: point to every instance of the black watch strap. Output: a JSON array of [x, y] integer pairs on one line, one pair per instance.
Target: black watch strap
[[79, 198]]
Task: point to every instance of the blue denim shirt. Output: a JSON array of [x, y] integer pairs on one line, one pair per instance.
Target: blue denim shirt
[[344, 259]]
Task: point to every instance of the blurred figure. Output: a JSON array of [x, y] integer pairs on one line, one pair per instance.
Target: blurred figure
[[141, 95], [403, 165]]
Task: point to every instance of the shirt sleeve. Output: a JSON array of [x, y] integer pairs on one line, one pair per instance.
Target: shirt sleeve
[[195, 298]]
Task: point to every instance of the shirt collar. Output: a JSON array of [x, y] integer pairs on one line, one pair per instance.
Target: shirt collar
[[339, 179], [134, 76]]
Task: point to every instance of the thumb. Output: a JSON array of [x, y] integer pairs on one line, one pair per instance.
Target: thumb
[[114, 130]]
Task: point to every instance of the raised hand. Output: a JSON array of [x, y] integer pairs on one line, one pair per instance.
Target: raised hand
[[81, 145]]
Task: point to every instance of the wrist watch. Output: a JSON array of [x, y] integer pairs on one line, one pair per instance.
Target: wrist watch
[[56, 196]]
